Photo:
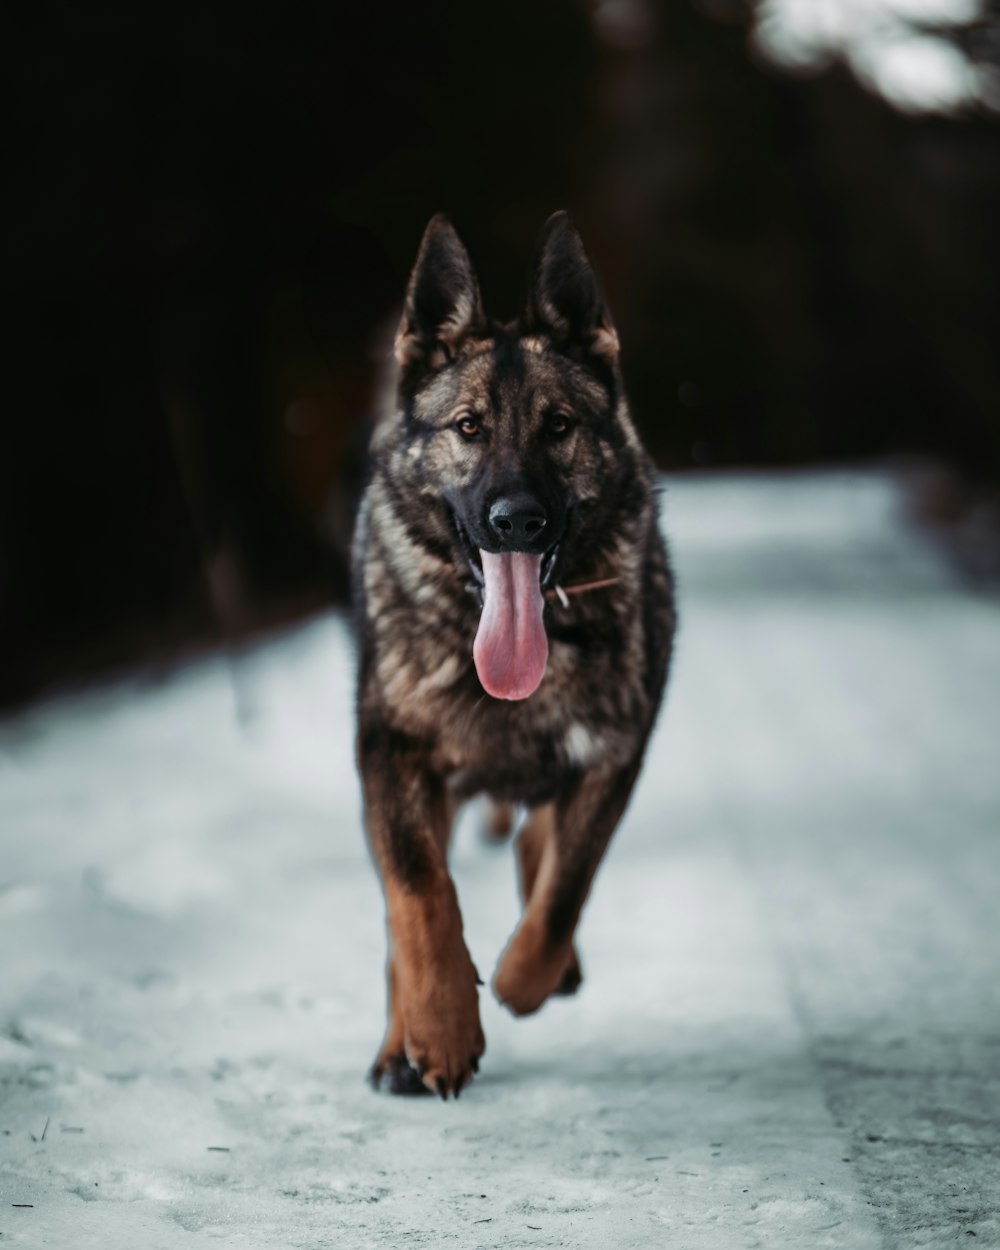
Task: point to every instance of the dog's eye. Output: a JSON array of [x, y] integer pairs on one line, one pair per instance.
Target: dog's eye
[[557, 424], [468, 427]]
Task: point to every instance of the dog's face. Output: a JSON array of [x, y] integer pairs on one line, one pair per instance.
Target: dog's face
[[513, 431], [509, 440]]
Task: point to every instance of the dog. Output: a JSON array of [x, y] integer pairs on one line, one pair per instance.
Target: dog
[[515, 614]]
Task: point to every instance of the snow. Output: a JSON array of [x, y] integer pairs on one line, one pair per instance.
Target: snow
[[787, 1035]]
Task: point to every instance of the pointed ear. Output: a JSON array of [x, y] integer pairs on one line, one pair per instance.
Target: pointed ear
[[565, 299], [442, 306]]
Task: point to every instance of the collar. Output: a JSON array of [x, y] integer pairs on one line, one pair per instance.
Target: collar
[[562, 593]]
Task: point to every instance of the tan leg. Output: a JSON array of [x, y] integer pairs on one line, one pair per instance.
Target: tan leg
[[559, 859], [538, 831], [433, 1035]]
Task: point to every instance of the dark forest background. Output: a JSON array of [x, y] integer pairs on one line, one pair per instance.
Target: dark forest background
[[211, 216]]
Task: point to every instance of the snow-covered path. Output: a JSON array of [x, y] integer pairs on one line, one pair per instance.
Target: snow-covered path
[[789, 1034]]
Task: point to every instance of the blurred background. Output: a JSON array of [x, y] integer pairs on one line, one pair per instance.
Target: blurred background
[[789, 1032], [212, 211]]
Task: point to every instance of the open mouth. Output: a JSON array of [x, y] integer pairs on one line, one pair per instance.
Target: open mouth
[[473, 558], [511, 649]]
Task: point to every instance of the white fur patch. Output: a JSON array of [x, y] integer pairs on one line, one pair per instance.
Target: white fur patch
[[580, 744]]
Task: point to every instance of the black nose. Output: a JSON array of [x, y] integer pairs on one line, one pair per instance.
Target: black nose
[[518, 522]]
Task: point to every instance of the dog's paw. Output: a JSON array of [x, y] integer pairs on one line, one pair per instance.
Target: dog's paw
[[440, 1034], [444, 1053], [528, 974], [396, 1074]]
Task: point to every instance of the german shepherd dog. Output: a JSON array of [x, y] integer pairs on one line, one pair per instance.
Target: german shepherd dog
[[515, 614]]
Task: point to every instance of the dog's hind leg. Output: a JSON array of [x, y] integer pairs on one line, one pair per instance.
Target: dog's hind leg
[[561, 863], [500, 821], [433, 1037], [538, 831]]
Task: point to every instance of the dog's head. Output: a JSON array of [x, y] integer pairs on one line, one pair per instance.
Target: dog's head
[[510, 435]]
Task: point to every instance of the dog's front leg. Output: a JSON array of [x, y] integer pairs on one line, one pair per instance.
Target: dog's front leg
[[434, 1038], [572, 838], [532, 850]]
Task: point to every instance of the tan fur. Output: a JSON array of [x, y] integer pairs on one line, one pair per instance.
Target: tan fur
[[434, 1000], [529, 972]]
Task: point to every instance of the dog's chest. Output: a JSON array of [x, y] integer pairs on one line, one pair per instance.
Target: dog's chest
[[520, 751], [575, 720]]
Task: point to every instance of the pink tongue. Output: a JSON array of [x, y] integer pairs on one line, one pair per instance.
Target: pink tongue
[[511, 647]]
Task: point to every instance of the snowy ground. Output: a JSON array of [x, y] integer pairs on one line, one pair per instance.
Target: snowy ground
[[789, 1035]]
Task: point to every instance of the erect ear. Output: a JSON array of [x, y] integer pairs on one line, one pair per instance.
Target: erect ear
[[442, 306], [564, 298]]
